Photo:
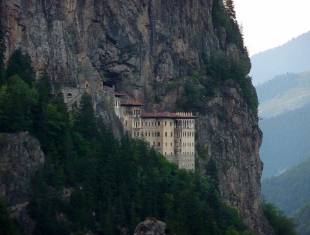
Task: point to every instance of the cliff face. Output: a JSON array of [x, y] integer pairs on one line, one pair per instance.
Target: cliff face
[[140, 46], [20, 158]]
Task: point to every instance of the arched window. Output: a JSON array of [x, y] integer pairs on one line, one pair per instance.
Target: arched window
[[86, 84]]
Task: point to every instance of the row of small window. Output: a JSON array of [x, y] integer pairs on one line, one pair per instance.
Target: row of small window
[[188, 134], [188, 144], [157, 123], [166, 144], [188, 166], [188, 153], [146, 134], [169, 154], [136, 112], [186, 123]]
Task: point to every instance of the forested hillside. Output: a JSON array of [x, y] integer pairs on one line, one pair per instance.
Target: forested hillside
[[302, 219], [284, 112], [285, 141], [92, 182], [290, 191]]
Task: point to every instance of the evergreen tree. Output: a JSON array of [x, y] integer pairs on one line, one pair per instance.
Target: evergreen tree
[[17, 100], [230, 6], [7, 225], [85, 121], [20, 64]]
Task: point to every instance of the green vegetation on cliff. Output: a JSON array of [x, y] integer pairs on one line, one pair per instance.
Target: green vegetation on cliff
[[7, 225], [221, 68], [94, 182]]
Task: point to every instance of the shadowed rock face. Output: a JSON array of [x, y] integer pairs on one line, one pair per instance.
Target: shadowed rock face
[[20, 158], [139, 46]]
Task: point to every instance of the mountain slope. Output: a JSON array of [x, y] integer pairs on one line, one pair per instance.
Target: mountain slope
[[161, 52], [284, 111], [290, 191], [284, 93], [290, 57], [302, 218], [285, 141]]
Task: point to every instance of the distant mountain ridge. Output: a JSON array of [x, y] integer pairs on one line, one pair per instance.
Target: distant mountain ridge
[[291, 57], [284, 93], [285, 113], [286, 140]]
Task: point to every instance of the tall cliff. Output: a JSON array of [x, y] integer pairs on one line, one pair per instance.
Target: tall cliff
[[150, 49]]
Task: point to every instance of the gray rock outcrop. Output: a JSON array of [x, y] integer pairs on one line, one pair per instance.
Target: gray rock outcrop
[[20, 158], [151, 226]]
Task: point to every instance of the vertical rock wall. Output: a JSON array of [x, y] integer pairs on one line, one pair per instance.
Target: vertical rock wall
[[139, 46]]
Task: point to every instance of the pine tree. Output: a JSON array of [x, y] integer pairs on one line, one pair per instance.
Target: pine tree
[[85, 121], [230, 6], [20, 64]]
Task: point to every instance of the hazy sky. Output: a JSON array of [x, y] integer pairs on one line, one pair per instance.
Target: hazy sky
[[270, 23]]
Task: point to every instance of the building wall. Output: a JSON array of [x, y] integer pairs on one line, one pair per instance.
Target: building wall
[[174, 138], [187, 157]]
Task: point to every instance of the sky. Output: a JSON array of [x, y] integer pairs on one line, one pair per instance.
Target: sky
[[270, 23]]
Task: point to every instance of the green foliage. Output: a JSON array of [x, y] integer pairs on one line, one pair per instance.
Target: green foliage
[[85, 118], [194, 95], [230, 7], [116, 184], [16, 102], [224, 18], [94, 182], [302, 218], [279, 222], [7, 225], [20, 64], [219, 69], [289, 191]]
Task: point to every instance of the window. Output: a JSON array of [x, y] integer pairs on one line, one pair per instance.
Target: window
[[171, 134], [158, 123], [165, 123], [158, 144], [166, 134]]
